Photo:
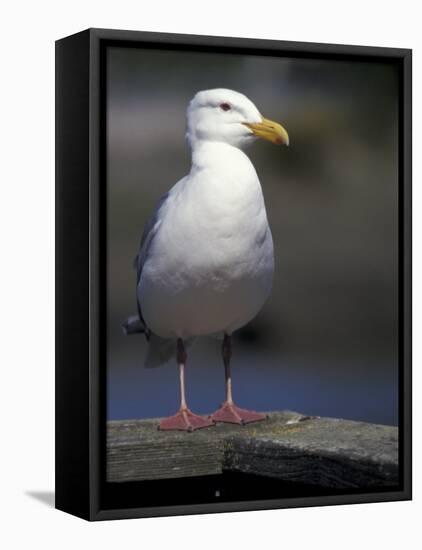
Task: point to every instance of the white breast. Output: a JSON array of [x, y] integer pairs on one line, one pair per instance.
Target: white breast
[[209, 268]]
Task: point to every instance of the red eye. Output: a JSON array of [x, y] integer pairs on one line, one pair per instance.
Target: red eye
[[225, 106]]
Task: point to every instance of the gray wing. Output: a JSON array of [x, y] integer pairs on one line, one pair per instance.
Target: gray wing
[[150, 230]]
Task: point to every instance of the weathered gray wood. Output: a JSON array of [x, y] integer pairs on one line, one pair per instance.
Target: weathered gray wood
[[320, 451]]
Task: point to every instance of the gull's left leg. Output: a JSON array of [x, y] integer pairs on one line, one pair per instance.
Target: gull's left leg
[[229, 412]]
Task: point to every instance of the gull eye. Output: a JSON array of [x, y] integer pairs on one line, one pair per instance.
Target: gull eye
[[225, 106]]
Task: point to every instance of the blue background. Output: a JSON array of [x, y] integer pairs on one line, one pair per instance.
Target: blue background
[[326, 342]]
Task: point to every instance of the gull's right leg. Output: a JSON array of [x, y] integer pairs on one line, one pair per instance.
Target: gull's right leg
[[184, 419]]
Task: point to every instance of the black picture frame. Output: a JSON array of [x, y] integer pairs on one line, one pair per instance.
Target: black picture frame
[[80, 315]]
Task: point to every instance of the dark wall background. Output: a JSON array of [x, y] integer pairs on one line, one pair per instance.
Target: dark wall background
[[326, 341]]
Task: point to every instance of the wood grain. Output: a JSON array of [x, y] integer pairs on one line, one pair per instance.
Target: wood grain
[[325, 452]]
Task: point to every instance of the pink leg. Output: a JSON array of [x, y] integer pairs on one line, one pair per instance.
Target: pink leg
[[184, 419], [229, 412]]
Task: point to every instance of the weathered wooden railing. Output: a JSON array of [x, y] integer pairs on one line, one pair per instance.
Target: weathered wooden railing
[[325, 452]]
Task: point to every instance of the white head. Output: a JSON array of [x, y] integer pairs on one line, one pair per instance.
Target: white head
[[227, 116]]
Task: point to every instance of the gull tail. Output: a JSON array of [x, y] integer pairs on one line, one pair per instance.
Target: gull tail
[[134, 325], [160, 350]]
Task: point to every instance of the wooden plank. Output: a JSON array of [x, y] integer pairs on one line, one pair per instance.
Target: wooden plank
[[322, 451], [326, 452]]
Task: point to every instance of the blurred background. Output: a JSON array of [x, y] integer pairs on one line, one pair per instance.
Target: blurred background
[[326, 342]]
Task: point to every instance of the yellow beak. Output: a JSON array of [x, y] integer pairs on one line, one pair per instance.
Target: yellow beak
[[270, 130]]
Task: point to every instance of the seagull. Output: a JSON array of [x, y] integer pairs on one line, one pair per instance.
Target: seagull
[[206, 260]]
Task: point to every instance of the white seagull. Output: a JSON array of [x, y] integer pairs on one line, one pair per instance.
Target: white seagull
[[206, 261]]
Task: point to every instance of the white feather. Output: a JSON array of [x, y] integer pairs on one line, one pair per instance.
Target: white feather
[[209, 266]]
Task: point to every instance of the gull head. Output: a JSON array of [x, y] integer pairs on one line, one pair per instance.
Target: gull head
[[226, 116]]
